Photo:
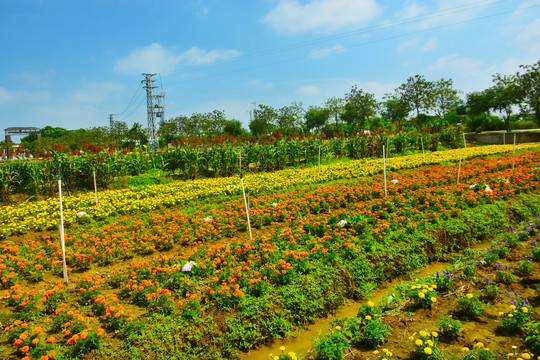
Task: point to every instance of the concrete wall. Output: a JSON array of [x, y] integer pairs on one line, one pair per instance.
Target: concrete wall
[[504, 138]]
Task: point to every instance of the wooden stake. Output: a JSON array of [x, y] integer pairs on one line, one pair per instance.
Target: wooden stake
[[62, 230]]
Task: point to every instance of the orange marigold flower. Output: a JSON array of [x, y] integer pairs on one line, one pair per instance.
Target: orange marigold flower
[[35, 341], [25, 349], [100, 332], [17, 342], [51, 339]]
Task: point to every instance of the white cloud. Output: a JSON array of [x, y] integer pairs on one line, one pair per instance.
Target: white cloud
[[94, 93], [529, 38], [443, 12], [323, 52], [157, 59], [289, 16], [455, 63], [197, 56], [308, 90], [431, 44], [259, 84], [407, 44], [14, 96]]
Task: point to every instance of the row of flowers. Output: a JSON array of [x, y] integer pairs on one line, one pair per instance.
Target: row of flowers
[[42, 215]]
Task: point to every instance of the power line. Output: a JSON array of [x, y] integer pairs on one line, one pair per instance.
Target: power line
[[355, 45], [132, 100], [347, 34]]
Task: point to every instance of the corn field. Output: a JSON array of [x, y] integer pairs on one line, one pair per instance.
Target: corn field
[[196, 158]]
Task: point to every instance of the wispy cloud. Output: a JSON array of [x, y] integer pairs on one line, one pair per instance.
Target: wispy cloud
[[308, 90], [431, 44], [289, 16], [158, 59], [22, 96], [442, 12], [323, 52], [258, 83], [529, 38]]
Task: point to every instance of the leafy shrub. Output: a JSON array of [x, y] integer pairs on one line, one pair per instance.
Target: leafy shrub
[[449, 328], [332, 346], [469, 306]]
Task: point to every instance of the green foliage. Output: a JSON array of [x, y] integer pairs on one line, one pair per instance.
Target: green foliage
[[516, 318], [166, 337], [469, 306], [449, 328], [479, 353], [504, 277], [331, 346], [524, 267], [374, 333], [533, 336]]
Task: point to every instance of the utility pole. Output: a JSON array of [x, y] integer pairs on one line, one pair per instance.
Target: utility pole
[[254, 109], [152, 128], [111, 120]]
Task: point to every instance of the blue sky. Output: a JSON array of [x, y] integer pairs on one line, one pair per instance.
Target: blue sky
[[72, 63]]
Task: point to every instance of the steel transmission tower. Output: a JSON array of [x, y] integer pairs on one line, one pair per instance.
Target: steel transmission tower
[[152, 128]]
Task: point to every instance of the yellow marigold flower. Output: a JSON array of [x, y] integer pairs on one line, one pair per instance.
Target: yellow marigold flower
[[469, 296], [385, 350], [465, 349], [424, 290], [411, 337], [368, 317], [375, 352], [526, 356], [338, 328], [513, 307], [525, 309], [282, 348], [501, 313], [434, 286], [429, 342], [479, 345], [419, 342], [428, 351], [370, 304], [433, 299], [423, 333], [413, 287], [510, 315], [435, 334], [421, 295]]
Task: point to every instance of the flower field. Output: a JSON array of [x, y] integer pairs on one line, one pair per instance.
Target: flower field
[[171, 269]]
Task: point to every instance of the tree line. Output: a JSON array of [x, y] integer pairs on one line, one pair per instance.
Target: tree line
[[418, 103]]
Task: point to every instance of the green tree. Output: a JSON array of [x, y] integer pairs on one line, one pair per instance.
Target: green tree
[[335, 108], [168, 129], [360, 107], [507, 95], [234, 128], [529, 83], [264, 120], [395, 109], [418, 93], [118, 132], [316, 117], [289, 118], [137, 135], [444, 97]]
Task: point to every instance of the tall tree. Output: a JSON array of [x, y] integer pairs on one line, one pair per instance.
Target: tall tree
[[168, 130], [418, 93], [395, 109], [507, 95], [264, 121], [529, 83], [335, 106], [289, 118], [444, 97], [316, 117], [360, 107]]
